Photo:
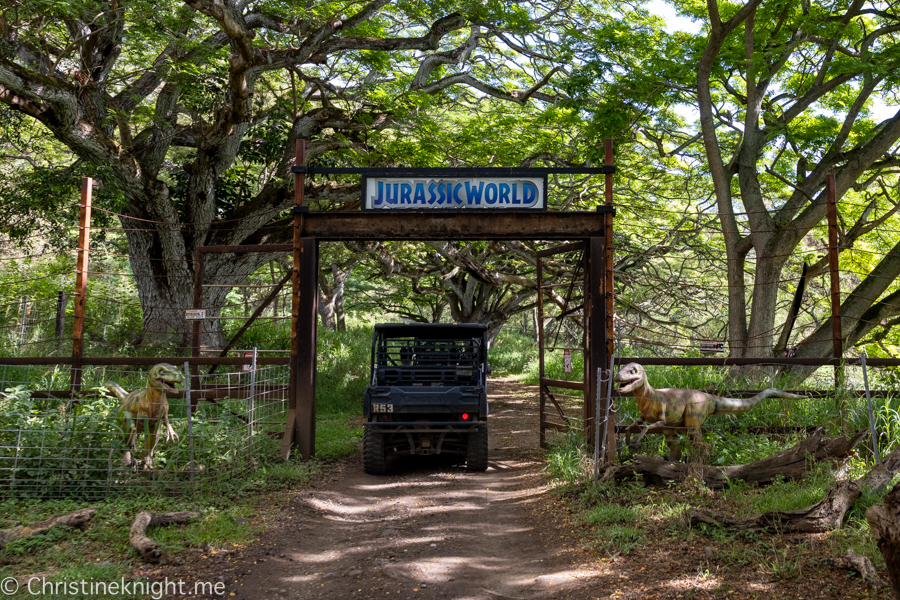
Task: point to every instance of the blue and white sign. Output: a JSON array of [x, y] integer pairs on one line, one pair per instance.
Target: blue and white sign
[[455, 193]]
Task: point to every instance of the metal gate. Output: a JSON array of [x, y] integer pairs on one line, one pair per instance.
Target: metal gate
[[562, 339]]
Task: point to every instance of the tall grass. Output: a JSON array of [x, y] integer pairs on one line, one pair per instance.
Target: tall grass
[[512, 351], [343, 368]]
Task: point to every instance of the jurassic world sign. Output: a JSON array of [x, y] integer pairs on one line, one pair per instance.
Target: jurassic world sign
[[454, 193]]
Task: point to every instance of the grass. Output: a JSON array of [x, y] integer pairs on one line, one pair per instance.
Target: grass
[[512, 351], [101, 550], [620, 518], [232, 513]]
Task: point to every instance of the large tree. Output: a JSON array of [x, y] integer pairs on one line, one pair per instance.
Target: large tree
[[783, 91], [783, 94], [189, 111]]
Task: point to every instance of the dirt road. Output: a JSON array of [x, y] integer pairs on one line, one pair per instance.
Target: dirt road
[[427, 529], [430, 530]]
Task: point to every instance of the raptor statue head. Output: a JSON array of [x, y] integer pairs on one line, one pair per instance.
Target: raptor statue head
[[165, 377], [630, 377]]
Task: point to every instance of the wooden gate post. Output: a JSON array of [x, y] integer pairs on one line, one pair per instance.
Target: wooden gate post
[[300, 429], [81, 275]]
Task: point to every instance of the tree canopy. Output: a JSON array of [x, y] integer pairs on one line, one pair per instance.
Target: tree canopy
[[188, 112]]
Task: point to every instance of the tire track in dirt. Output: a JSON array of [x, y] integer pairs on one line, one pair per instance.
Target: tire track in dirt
[[427, 529]]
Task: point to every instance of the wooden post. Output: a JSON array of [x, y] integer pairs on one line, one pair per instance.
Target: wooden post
[[81, 275], [837, 346], [307, 330], [300, 430]]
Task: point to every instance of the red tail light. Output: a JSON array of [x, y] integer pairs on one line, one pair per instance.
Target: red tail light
[[465, 416]]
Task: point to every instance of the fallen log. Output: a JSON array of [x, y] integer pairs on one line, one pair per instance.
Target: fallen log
[[792, 463], [825, 515], [73, 519], [884, 521], [852, 561], [138, 539]]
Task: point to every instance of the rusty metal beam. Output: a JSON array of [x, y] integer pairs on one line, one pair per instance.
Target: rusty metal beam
[[81, 277], [149, 360], [740, 362], [457, 226], [304, 424], [300, 431], [608, 288], [561, 383], [560, 249]]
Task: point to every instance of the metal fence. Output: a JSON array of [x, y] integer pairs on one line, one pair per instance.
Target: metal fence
[[861, 397], [53, 445]]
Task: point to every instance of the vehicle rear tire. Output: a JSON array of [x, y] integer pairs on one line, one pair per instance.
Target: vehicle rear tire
[[374, 459], [477, 450]]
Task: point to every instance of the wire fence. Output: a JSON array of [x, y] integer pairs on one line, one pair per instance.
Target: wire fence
[[227, 424], [863, 399]]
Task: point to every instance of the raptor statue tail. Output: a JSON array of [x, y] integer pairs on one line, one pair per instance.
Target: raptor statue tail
[[739, 405], [116, 389]]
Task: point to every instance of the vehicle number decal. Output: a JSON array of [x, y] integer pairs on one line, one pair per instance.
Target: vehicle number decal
[[382, 408]]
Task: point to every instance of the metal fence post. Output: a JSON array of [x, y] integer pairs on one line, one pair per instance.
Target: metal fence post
[[23, 323], [190, 428], [597, 445], [81, 277], [252, 397], [862, 360]]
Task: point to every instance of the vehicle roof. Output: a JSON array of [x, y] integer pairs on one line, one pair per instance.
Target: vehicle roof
[[431, 329]]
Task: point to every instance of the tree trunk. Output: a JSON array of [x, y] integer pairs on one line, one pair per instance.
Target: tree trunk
[[166, 290], [852, 561], [73, 519], [884, 521], [137, 536], [792, 463], [331, 296], [823, 516]]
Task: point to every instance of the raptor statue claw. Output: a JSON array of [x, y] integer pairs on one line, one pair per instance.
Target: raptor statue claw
[[680, 408], [143, 411]]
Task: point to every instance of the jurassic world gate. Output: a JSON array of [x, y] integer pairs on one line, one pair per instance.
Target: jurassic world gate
[[586, 232]]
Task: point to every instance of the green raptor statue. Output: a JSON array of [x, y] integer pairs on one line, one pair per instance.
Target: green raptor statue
[[143, 411], [680, 408]]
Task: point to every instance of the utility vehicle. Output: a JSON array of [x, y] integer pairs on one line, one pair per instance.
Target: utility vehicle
[[427, 394]]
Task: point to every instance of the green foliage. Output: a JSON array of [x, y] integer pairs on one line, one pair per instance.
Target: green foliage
[[610, 514], [555, 368], [344, 359], [56, 446], [619, 539], [34, 543], [566, 459], [76, 448], [728, 448], [336, 437], [512, 351]]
